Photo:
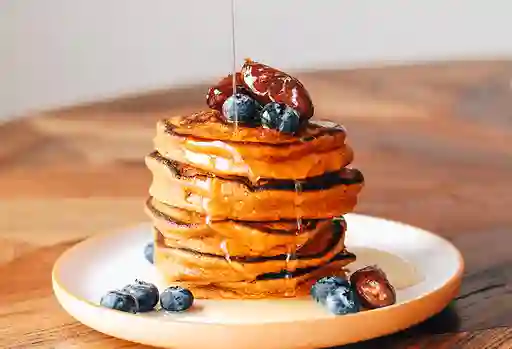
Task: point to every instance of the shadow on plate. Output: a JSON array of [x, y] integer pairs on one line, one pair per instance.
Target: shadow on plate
[[444, 322]]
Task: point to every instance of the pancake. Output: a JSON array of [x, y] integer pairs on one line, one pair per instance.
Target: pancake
[[186, 229], [243, 211], [185, 264], [329, 195], [280, 284], [204, 141]]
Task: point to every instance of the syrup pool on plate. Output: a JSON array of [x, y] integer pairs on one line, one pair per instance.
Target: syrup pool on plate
[[400, 272]]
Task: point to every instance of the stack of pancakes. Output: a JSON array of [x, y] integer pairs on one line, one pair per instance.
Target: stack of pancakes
[[249, 212]]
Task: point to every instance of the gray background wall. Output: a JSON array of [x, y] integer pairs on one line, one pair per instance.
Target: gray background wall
[[60, 52]]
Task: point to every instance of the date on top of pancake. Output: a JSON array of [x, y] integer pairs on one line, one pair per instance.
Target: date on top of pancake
[[265, 97], [268, 84]]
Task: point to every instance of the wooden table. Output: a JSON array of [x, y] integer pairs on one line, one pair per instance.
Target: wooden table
[[434, 143]]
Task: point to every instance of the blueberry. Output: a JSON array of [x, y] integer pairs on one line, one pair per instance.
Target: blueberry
[[240, 108], [325, 285], [120, 300], [342, 300], [149, 251], [279, 116], [146, 294], [176, 298]]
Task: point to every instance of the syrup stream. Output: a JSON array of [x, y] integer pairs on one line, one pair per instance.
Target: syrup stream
[[233, 52], [291, 260], [223, 244]]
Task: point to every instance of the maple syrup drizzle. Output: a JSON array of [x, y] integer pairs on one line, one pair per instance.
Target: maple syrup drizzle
[[223, 245], [291, 257], [233, 48]]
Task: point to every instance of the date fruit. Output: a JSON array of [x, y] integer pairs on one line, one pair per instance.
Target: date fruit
[[373, 288], [218, 94], [267, 84]]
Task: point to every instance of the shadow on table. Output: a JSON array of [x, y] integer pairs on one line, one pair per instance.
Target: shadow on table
[[444, 322]]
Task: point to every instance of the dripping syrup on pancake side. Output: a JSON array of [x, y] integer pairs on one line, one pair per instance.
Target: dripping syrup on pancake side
[[291, 255], [224, 243]]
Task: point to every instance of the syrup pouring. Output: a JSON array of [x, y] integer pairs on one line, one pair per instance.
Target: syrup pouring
[[256, 78]]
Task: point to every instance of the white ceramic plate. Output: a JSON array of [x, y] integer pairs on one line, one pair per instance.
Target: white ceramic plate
[[425, 269]]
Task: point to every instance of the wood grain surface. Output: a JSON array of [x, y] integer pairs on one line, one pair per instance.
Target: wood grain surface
[[433, 141]]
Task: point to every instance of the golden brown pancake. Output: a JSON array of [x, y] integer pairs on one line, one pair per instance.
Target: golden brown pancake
[[247, 211], [273, 285], [204, 141], [183, 186], [183, 264], [187, 229]]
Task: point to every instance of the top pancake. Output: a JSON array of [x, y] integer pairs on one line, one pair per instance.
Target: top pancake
[[205, 141]]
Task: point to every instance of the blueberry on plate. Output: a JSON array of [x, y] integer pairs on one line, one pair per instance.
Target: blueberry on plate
[[240, 108], [146, 294], [120, 300], [149, 251], [342, 300], [176, 298], [279, 116], [325, 285]]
